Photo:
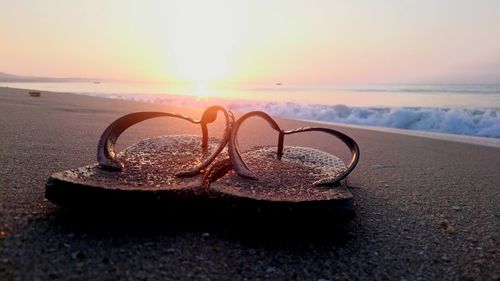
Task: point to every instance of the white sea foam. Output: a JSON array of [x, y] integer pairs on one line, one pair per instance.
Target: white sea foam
[[462, 121]]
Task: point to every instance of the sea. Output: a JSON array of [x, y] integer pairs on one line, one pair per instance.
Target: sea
[[459, 109]]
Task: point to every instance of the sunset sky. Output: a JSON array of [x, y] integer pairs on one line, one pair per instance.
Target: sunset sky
[[300, 42]]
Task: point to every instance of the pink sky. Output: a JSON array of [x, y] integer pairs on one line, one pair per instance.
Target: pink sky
[[302, 42]]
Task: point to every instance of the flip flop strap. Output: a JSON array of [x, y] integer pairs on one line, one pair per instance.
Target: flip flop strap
[[241, 168], [106, 155]]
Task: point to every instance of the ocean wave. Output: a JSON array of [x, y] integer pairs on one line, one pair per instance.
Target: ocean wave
[[462, 121]]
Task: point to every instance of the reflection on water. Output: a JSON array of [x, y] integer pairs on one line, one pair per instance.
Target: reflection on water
[[467, 96]]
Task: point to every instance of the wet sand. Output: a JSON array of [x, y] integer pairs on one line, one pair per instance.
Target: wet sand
[[426, 209]]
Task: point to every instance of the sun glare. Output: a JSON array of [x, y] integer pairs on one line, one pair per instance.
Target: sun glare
[[200, 40], [201, 91]]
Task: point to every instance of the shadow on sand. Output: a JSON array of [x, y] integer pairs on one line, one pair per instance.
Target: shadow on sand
[[266, 225]]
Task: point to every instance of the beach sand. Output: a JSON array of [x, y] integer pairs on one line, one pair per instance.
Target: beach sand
[[426, 209]]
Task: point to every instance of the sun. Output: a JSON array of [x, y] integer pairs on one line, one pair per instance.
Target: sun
[[201, 91], [201, 39]]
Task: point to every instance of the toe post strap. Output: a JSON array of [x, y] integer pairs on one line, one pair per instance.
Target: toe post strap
[[241, 168], [106, 153]]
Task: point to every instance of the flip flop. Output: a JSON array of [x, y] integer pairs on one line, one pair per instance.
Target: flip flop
[[284, 180], [151, 172]]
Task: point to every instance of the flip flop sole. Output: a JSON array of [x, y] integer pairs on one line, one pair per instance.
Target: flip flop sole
[[148, 177], [286, 186]]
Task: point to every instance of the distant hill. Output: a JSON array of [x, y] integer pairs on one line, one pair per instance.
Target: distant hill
[[6, 77]]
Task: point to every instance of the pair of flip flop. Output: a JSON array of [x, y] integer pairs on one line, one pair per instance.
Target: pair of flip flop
[[194, 170]]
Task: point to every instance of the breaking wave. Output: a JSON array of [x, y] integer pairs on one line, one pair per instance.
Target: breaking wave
[[462, 121]]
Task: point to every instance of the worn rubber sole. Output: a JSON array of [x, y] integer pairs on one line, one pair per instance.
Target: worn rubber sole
[[285, 187], [148, 178]]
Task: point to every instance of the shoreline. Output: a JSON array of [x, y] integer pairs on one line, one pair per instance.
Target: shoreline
[[469, 139]]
